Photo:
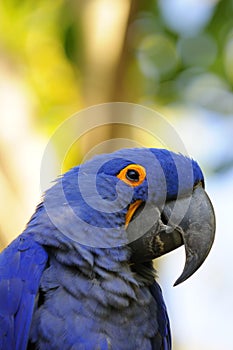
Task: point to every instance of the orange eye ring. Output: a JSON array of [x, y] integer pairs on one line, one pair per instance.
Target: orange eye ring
[[133, 174]]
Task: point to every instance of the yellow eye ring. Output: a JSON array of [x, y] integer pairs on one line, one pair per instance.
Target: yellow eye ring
[[133, 174]]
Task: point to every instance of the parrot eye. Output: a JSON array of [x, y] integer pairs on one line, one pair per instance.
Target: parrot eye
[[133, 174]]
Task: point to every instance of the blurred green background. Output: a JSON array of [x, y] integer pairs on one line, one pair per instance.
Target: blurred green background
[[175, 56]]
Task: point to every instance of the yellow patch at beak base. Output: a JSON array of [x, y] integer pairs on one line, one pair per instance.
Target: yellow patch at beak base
[[132, 208]]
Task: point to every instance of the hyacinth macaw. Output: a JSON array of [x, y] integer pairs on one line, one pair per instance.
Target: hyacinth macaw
[[80, 276]]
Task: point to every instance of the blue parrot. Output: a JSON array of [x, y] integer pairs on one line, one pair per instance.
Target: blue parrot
[[81, 276]]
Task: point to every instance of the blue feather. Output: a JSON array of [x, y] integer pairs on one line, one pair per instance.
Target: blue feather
[[21, 266]]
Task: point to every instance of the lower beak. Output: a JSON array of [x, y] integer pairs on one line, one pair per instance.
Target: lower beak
[[189, 221]]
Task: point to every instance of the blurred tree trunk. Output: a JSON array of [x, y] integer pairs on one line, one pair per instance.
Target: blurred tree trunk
[[105, 26]]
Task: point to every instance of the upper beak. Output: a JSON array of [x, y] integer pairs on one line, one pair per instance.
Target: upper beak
[[189, 221]]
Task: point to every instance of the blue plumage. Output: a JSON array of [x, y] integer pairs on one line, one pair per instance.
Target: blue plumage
[[68, 282], [21, 267]]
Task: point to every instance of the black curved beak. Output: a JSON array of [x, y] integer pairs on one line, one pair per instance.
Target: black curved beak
[[189, 221]]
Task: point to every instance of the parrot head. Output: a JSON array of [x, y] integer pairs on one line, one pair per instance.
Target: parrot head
[[150, 200]]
